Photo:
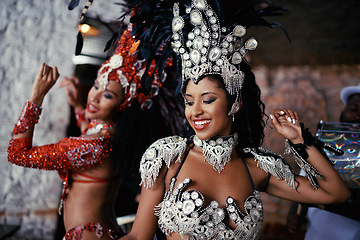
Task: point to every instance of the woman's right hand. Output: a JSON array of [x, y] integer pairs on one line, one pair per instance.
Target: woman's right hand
[[71, 85], [44, 81]]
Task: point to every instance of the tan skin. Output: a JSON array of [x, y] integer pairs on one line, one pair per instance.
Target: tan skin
[[86, 202], [350, 114], [206, 105]]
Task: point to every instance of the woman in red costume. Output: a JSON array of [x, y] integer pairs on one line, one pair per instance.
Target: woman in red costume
[[86, 164]]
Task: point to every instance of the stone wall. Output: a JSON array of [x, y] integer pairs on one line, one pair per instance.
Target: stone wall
[[32, 32]]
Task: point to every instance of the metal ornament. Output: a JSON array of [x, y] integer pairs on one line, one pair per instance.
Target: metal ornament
[[206, 50], [217, 151]]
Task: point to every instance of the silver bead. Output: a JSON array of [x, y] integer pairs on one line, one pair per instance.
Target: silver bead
[[251, 44]]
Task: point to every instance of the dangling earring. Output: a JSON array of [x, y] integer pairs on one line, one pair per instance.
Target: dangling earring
[[234, 109], [233, 117]]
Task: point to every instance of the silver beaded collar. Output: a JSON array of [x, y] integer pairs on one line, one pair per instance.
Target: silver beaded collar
[[217, 151]]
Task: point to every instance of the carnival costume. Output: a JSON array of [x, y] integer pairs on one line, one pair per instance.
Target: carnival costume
[[72, 155], [207, 41]]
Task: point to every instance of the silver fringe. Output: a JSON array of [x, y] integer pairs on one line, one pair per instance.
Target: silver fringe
[[310, 172], [163, 150], [272, 163]]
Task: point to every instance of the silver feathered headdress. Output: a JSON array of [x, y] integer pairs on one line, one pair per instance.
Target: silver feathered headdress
[[207, 50]]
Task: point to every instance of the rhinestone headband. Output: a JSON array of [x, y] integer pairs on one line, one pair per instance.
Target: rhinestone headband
[[206, 50]]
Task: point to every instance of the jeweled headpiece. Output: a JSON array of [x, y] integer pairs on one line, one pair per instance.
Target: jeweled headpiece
[[125, 68], [206, 50], [201, 39]]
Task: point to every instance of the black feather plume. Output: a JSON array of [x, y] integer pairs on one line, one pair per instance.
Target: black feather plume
[[79, 44], [111, 41], [73, 4], [153, 18]]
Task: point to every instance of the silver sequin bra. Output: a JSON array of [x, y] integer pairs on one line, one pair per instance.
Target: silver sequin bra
[[183, 212]]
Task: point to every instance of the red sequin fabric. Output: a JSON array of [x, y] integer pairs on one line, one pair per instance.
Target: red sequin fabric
[[98, 228], [69, 153], [80, 117], [28, 118]]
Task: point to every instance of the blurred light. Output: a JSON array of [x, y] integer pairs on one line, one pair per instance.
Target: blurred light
[[86, 29]]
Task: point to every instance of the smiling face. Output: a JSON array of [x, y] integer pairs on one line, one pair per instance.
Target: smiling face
[[207, 109], [102, 105]]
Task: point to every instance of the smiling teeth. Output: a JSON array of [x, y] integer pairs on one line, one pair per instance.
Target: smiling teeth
[[92, 108], [202, 122]]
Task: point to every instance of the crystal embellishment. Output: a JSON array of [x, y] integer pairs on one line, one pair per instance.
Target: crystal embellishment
[[201, 4], [251, 44], [179, 213], [217, 152], [213, 49], [195, 17], [188, 206]]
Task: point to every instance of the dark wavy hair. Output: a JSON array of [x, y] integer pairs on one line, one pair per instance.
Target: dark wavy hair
[[249, 121], [135, 131]]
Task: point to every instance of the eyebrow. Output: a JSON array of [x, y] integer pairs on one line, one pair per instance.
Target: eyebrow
[[205, 93]]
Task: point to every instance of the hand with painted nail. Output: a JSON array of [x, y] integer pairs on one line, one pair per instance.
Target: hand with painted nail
[[287, 123]]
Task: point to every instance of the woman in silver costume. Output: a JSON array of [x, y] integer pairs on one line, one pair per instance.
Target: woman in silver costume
[[207, 186]]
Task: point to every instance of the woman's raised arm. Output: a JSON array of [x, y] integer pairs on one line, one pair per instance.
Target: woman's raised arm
[[330, 189]]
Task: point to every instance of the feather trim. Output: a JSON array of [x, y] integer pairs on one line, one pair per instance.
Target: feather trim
[[153, 19], [272, 163], [163, 150]]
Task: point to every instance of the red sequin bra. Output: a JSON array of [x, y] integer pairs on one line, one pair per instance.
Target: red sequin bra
[[69, 153]]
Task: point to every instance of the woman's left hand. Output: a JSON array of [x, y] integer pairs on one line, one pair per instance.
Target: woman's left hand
[[287, 123]]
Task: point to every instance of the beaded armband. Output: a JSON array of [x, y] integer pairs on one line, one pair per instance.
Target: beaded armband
[[28, 118], [300, 154], [80, 116]]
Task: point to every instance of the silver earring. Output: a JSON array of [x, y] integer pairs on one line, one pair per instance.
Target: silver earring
[[234, 108]]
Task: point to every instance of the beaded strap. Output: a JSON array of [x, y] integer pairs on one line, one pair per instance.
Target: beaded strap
[[300, 154], [28, 118], [80, 116]]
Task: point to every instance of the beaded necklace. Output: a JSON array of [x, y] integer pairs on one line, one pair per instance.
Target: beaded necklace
[[217, 150]]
